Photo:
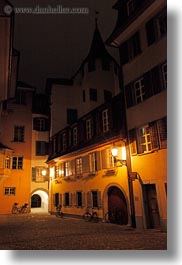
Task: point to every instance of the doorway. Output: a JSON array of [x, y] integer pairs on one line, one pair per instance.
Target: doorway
[[151, 206], [117, 206], [35, 201]]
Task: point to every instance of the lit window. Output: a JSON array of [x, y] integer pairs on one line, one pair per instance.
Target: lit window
[[79, 168], [105, 121], [139, 90], [19, 133], [17, 162], [7, 162], [9, 191], [145, 139]]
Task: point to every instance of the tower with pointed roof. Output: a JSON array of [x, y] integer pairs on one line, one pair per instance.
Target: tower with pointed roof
[[95, 82]]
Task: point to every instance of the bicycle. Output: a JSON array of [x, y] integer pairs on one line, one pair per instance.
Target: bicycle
[[22, 209], [58, 211], [90, 215]]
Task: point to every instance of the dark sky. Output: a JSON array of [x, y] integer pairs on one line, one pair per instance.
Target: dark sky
[[55, 45]]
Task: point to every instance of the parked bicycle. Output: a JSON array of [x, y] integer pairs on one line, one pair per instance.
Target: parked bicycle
[[90, 215], [22, 209], [58, 211]]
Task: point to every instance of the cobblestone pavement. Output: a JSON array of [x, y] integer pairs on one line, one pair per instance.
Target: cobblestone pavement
[[46, 232]]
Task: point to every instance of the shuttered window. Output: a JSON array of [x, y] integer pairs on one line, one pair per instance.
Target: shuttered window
[[162, 131], [94, 199]]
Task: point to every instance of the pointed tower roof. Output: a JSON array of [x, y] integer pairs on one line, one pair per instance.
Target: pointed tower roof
[[97, 49]]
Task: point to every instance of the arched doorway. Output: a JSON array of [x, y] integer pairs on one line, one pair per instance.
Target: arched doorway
[[39, 201], [35, 201], [117, 206]]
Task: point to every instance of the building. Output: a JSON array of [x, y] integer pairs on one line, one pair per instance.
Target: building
[[88, 123], [83, 171], [25, 136], [140, 36]]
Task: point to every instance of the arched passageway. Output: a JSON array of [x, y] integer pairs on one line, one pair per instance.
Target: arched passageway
[[39, 201]]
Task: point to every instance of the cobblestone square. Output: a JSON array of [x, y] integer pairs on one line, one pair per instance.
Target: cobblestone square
[[46, 232]]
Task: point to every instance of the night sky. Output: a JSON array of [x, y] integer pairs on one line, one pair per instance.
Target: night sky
[[55, 45]]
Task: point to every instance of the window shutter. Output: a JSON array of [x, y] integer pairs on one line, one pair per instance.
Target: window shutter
[[153, 135], [133, 142], [156, 79], [70, 199], [106, 163], [99, 199], [53, 199], [85, 164], [2, 162], [83, 199], [64, 200], [162, 131], [72, 167], [33, 174], [98, 160], [147, 79], [89, 199], [129, 95], [150, 31], [60, 198]]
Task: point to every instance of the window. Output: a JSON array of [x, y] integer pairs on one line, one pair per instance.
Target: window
[[7, 162], [75, 136], [9, 191], [40, 124], [144, 139], [107, 95], [79, 168], [139, 90], [130, 48], [156, 27], [20, 97], [41, 148], [94, 161], [105, 64], [71, 115], [107, 159], [94, 199], [105, 121], [19, 133], [67, 199], [79, 199], [130, 7], [91, 65], [93, 94], [88, 129], [17, 162]]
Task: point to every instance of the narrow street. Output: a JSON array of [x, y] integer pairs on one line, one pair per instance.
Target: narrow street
[[46, 232]]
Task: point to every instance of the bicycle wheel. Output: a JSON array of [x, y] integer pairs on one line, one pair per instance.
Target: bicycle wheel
[[59, 215], [14, 210], [95, 218], [87, 217], [107, 217]]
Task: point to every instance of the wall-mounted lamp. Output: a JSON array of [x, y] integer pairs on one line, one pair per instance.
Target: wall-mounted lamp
[[44, 172], [115, 151]]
